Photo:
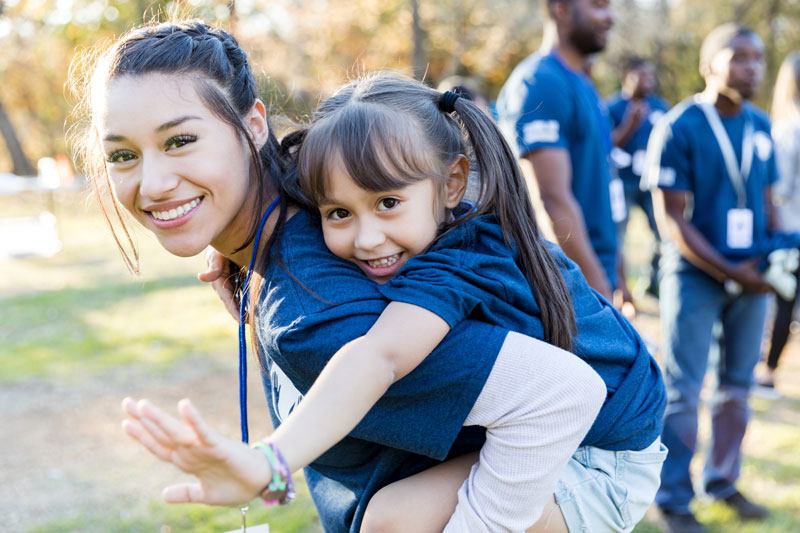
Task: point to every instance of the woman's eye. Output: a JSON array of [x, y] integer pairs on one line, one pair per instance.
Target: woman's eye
[[120, 156], [178, 141], [387, 203], [338, 214]]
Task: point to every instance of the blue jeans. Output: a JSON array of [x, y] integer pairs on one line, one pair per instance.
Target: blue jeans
[[691, 303]]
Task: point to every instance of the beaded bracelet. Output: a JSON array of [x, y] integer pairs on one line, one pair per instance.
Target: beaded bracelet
[[281, 474]]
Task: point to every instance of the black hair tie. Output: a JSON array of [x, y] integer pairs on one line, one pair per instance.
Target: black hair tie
[[447, 102]]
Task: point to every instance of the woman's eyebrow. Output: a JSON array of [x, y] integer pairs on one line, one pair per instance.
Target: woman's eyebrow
[[177, 122], [163, 127]]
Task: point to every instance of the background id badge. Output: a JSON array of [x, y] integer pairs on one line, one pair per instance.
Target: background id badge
[[616, 194], [740, 228]]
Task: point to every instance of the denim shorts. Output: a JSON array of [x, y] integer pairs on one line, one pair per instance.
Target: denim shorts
[[603, 490]]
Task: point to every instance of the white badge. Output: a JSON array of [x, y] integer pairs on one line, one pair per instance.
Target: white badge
[[616, 192], [263, 528], [638, 162], [740, 228]]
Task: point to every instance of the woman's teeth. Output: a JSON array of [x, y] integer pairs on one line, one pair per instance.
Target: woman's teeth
[[177, 212], [383, 261]]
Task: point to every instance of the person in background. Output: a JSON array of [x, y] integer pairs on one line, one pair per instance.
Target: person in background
[[712, 152], [634, 111], [551, 113], [786, 195]]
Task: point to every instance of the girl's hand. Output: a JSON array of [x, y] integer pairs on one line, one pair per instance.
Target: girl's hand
[[220, 272], [228, 472]]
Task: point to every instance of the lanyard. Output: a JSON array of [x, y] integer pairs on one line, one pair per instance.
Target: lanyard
[[737, 174], [244, 292]]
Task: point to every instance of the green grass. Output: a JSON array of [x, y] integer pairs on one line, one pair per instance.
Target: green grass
[[155, 516], [80, 315]]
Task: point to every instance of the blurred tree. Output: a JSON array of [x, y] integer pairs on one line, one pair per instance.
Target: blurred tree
[[308, 47]]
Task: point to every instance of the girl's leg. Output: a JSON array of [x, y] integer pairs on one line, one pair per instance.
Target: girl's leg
[[537, 405], [424, 503]]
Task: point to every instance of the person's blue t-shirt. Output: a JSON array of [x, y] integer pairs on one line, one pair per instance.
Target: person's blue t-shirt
[[311, 304], [631, 171], [683, 155], [470, 272], [545, 104]]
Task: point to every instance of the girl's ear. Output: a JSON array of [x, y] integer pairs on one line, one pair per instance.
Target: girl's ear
[[256, 122], [457, 181]]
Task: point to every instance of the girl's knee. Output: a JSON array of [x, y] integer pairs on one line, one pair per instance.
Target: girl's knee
[[381, 515]]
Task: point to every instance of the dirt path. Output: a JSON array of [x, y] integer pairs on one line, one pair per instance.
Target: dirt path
[[63, 454]]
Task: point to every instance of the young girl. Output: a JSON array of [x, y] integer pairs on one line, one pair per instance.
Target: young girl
[[178, 137]]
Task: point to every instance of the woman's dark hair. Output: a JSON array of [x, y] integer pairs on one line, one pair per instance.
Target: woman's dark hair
[[212, 60], [389, 131]]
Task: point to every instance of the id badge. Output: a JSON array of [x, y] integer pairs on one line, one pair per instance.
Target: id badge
[[616, 192], [263, 528], [637, 166], [740, 228]]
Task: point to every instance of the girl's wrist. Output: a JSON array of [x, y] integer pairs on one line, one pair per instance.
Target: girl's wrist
[[280, 487]]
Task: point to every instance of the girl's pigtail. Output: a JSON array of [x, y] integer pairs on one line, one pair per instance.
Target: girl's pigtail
[[504, 193]]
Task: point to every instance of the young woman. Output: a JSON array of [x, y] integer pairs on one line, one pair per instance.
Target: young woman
[[786, 193], [188, 152]]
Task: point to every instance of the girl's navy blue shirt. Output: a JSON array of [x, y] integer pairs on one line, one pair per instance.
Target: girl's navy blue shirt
[[469, 278], [471, 273]]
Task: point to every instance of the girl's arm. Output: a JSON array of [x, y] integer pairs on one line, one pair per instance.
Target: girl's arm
[[354, 380], [229, 472]]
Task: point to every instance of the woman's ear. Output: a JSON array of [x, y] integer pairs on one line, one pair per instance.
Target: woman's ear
[[256, 122], [457, 181]]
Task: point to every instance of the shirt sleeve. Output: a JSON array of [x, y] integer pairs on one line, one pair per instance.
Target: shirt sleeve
[[668, 158], [545, 115]]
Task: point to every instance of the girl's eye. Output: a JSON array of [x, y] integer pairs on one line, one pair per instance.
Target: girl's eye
[[120, 156], [387, 203], [338, 214], [178, 141]]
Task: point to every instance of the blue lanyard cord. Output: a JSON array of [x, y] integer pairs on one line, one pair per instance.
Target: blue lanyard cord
[[243, 297]]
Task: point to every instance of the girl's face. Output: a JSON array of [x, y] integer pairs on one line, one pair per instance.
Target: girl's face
[[380, 231], [181, 171]]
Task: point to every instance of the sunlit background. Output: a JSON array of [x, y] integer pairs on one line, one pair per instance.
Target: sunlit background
[[78, 332]]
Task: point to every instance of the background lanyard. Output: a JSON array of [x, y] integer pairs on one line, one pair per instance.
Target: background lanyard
[[244, 292], [737, 174]]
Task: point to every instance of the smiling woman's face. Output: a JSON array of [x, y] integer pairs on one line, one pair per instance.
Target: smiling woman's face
[[181, 171]]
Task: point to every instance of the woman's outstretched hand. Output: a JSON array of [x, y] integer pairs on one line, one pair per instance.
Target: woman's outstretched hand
[[220, 273], [228, 472]]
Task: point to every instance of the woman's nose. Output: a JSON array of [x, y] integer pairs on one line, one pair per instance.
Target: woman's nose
[[158, 179]]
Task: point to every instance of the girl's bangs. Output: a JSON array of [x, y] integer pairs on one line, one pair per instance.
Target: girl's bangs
[[378, 149]]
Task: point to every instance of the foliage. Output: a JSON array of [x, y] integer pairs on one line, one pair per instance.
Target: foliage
[[310, 46]]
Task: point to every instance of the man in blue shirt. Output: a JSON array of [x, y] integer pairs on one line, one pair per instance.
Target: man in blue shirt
[[634, 110], [711, 164], [550, 111]]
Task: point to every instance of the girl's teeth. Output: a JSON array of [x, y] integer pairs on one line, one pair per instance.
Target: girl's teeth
[[175, 213], [384, 261]]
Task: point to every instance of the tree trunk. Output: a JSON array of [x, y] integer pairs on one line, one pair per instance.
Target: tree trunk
[[419, 61], [21, 165]]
